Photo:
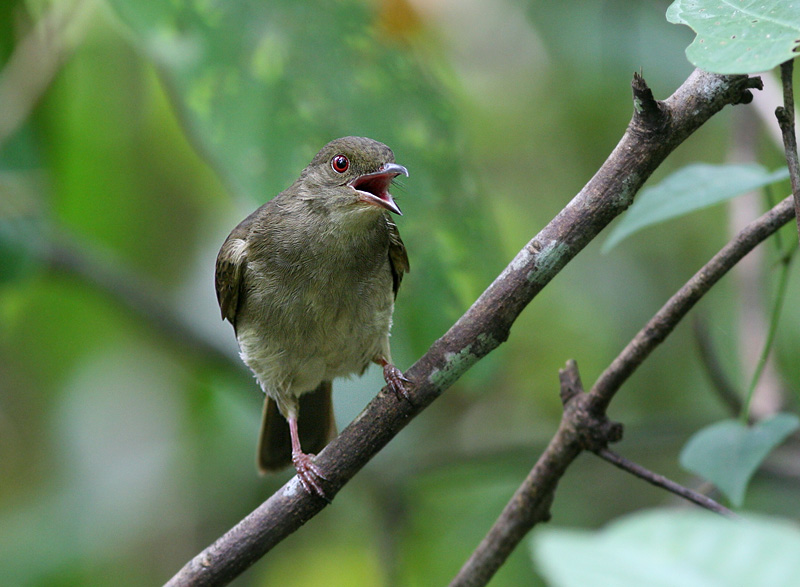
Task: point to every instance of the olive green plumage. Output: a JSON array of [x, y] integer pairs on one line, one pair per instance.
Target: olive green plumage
[[308, 281]]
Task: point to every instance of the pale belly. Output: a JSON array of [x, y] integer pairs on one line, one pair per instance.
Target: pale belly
[[332, 336]]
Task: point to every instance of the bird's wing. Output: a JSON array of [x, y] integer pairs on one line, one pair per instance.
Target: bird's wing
[[231, 262], [398, 258]]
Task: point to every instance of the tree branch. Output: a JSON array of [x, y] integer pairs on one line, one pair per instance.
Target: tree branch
[[785, 116], [655, 130], [583, 425]]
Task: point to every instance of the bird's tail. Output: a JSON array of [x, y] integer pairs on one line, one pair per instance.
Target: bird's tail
[[315, 423]]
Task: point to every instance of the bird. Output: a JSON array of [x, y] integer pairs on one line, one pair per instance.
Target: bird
[[309, 282]]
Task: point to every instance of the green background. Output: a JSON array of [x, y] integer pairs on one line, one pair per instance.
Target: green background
[[126, 446]]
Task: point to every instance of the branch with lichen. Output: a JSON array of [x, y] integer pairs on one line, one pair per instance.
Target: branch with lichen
[[655, 130]]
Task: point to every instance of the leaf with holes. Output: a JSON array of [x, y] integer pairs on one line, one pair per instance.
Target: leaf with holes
[[729, 452], [739, 37]]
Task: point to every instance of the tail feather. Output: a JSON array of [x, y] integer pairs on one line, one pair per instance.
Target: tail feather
[[315, 423]]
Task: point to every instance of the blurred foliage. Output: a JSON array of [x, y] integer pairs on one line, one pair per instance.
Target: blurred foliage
[[665, 548], [123, 452]]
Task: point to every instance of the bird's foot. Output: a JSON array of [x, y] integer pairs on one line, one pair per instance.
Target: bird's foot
[[309, 474], [396, 381]]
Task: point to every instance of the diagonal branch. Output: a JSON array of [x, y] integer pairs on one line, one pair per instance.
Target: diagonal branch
[[655, 130]]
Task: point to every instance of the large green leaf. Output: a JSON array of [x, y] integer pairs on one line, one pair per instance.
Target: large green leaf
[[729, 452], [735, 36], [692, 188], [667, 548]]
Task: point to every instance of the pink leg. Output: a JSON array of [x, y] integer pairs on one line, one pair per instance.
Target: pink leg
[[394, 378], [307, 471]]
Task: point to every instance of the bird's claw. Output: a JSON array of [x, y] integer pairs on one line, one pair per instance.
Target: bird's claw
[[309, 474], [396, 381]]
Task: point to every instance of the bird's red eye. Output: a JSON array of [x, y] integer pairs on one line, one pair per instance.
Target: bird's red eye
[[340, 163]]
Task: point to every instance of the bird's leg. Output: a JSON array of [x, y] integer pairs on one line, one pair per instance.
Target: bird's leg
[[394, 378], [308, 472]]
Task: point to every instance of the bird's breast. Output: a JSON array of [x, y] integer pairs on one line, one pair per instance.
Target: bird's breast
[[316, 310]]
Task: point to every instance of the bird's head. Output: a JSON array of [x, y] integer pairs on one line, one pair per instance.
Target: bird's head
[[354, 172]]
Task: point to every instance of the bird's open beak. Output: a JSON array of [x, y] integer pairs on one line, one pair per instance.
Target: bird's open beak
[[374, 187]]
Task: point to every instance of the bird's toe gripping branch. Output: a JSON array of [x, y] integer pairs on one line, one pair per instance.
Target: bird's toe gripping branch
[[395, 380]]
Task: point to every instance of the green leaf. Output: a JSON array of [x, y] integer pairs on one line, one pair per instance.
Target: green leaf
[[692, 188], [665, 548], [739, 36], [729, 452]]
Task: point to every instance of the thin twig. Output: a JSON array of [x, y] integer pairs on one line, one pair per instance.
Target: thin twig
[[785, 115], [775, 314], [661, 481]]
